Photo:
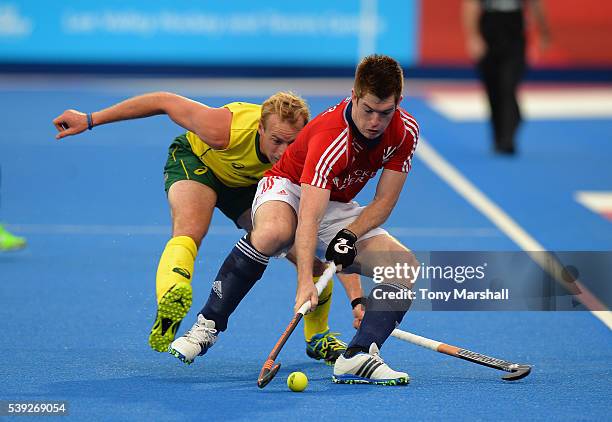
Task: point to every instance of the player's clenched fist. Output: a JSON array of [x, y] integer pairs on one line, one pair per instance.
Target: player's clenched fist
[[306, 292], [70, 122], [342, 249]]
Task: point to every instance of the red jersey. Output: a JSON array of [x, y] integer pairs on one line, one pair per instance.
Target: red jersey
[[328, 153]]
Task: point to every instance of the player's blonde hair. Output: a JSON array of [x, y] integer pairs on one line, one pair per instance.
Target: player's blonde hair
[[288, 106]]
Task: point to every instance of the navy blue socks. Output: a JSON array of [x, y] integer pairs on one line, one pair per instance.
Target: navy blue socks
[[385, 308], [238, 274]]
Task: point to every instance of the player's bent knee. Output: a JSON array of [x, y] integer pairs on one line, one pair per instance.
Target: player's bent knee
[[400, 268], [409, 265], [271, 240]]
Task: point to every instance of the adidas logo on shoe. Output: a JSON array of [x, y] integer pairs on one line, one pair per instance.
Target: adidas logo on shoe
[[367, 368]]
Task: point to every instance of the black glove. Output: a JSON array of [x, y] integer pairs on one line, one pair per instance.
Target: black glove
[[342, 249]]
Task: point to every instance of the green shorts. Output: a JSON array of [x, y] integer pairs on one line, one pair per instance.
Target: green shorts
[[183, 164]]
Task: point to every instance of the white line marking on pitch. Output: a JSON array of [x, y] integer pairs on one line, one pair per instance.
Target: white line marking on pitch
[[598, 202], [505, 223], [572, 103]]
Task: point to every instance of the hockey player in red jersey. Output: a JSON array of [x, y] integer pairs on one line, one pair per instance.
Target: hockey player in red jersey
[[307, 199]]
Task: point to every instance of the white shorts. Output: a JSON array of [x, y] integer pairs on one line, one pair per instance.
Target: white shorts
[[337, 216]]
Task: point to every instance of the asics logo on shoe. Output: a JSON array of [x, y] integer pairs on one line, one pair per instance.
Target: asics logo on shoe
[[166, 324], [217, 288], [180, 301], [342, 247], [182, 271]]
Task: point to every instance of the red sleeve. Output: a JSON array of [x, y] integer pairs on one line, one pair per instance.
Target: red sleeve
[[326, 157], [401, 159]]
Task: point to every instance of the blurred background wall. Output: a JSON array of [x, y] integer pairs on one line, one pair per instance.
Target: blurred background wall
[[581, 34], [248, 38]]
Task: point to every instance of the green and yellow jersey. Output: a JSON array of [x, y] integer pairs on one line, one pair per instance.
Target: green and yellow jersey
[[241, 163]]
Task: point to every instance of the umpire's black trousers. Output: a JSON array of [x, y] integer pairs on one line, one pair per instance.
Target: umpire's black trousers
[[501, 70]]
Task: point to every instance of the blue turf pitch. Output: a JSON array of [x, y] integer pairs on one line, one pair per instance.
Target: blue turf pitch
[[77, 304]]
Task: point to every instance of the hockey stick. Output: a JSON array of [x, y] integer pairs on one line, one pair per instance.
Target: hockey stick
[[517, 371], [270, 368]]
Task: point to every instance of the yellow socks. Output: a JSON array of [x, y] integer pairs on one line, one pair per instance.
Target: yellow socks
[[317, 322], [176, 264]]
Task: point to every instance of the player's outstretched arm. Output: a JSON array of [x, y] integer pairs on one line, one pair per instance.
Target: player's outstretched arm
[[212, 125]]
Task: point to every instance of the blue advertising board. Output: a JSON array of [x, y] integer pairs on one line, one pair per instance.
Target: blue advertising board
[[200, 33]]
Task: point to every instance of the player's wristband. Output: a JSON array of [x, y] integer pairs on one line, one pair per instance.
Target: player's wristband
[[358, 301], [89, 121]]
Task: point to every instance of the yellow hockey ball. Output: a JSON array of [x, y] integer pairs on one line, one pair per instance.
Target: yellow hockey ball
[[297, 381]]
